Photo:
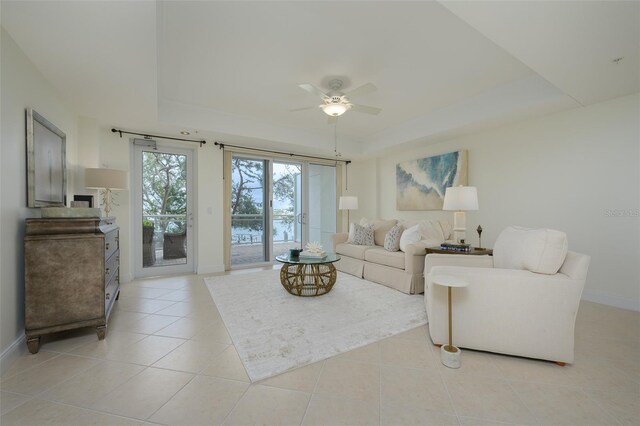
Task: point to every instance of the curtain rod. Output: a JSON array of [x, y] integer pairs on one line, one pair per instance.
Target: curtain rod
[[148, 136], [290, 154]]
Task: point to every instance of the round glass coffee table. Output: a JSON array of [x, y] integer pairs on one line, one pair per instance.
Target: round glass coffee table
[[302, 276]]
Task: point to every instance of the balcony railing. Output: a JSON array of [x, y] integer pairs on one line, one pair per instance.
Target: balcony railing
[[249, 228]]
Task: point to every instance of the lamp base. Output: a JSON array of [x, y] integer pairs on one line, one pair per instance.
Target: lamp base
[[450, 356]]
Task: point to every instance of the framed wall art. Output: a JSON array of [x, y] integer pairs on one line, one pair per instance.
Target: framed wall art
[[46, 162], [421, 183]]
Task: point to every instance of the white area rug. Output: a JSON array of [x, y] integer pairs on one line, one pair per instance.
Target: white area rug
[[274, 331]]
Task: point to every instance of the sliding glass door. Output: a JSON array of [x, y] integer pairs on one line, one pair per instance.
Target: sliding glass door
[[277, 205]]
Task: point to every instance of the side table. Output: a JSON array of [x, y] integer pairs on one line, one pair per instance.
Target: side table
[[475, 251], [449, 354]]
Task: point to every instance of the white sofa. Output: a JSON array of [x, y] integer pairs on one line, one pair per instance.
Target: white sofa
[[399, 270], [516, 303]]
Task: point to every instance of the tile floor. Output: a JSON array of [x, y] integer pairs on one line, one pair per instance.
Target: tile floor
[[168, 359]]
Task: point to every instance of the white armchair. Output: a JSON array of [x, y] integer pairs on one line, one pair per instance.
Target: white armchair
[[522, 301]]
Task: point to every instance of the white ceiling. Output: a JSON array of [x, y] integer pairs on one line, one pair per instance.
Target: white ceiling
[[230, 70]]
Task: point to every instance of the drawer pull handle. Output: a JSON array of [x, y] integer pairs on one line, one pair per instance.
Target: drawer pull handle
[[108, 296], [106, 246], [106, 272]]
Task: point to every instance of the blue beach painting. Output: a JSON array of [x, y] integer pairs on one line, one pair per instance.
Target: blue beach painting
[[421, 184]]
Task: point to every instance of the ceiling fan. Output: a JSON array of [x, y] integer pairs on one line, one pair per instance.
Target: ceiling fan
[[336, 103]]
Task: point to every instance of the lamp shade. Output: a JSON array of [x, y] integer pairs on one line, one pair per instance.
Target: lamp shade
[[348, 203], [461, 198], [105, 179]]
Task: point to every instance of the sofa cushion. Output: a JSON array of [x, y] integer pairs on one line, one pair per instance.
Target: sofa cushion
[[380, 228], [447, 229], [363, 235], [410, 236], [537, 250], [431, 230], [383, 257], [392, 239], [352, 232], [352, 250]]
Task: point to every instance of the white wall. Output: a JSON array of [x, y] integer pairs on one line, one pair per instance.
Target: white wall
[[22, 86], [575, 171]]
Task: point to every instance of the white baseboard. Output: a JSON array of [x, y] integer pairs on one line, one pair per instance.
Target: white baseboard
[[607, 299], [210, 269], [13, 352]]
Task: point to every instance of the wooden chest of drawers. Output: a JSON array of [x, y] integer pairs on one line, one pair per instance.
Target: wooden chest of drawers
[[71, 275]]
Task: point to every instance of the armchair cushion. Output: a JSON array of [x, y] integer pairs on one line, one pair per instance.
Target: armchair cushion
[[537, 250]]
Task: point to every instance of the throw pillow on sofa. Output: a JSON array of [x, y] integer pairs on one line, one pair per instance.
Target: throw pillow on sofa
[[410, 236], [392, 239], [352, 233], [363, 235]]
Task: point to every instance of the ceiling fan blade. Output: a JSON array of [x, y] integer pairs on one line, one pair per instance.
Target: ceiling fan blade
[[332, 119], [362, 90], [366, 109], [303, 108], [312, 89]]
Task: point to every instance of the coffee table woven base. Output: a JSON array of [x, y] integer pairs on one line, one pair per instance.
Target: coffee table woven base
[[308, 280]]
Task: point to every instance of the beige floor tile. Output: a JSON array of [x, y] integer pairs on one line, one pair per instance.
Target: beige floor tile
[[9, 401], [91, 385], [227, 365], [486, 398], [175, 295], [27, 361], [549, 403], [302, 379], [350, 379], [392, 415], [421, 389], [168, 283], [37, 412], [151, 323], [472, 421], [114, 341], [624, 406], [203, 401], [180, 309], [144, 394], [142, 305], [216, 332], [333, 410], [268, 405], [369, 354], [47, 374], [407, 353], [192, 356], [210, 315], [146, 351], [418, 333], [184, 328], [148, 293], [123, 320], [69, 340]]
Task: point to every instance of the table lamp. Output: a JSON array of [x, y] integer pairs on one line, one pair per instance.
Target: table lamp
[[106, 180], [460, 199], [348, 203]]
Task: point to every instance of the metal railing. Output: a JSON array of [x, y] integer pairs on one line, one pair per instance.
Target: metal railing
[[255, 223]]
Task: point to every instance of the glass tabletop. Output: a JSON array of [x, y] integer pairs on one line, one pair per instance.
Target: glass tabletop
[[329, 258]]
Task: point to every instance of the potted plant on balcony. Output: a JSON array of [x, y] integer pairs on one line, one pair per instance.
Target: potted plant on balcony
[[148, 247]]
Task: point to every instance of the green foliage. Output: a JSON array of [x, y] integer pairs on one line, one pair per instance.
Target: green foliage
[[147, 223], [164, 188]]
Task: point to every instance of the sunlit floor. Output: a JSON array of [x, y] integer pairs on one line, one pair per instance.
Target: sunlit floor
[[168, 359]]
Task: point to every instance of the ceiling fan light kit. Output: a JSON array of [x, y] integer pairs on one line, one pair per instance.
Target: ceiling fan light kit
[[335, 110], [336, 102]]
